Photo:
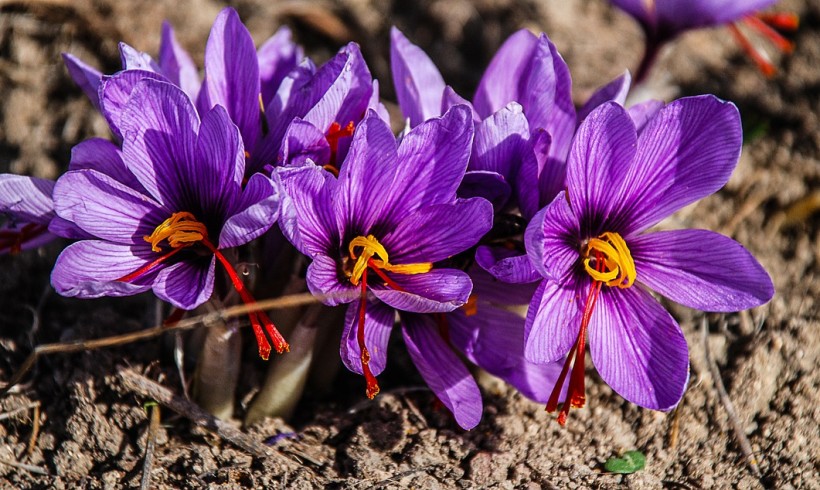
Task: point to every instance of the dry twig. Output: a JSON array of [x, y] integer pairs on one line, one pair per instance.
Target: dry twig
[[734, 421], [149, 389], [150, 444], [207, 320]]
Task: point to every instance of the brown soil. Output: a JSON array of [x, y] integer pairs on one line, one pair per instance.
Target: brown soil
[[92, 429]]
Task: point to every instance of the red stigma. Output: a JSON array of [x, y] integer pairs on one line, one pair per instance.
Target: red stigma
[[258, 318], [372, 385], [333, 135], [260, 321], [13, 240], [766, 25], [575, 392]]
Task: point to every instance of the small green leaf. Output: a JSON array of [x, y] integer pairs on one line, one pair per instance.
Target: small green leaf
[[631, 462]]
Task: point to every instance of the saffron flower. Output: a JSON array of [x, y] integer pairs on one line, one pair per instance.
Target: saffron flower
[[664, 20], [323, 113], [161, 212], [598, 265], [26, 205], [379, 238], [252, 85]]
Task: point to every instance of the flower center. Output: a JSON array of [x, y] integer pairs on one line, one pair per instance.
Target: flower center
[[181, 230], [608, 260], [333, 135], [363, 250], [369, 247]]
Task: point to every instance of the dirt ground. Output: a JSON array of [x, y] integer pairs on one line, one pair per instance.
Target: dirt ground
[[91, 429]]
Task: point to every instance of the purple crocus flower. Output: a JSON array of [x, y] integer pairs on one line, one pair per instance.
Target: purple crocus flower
[[598, 264], [664, 20], [379, 237], [252, 85], [26, 204], [161, 211], [322, 114]]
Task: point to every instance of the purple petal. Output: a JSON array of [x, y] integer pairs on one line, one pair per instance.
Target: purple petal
[[638, 349], [493, 339], [506, 265], [366, 179], [501, 141], [554, 319], [419, 85], [488, 185], [378, 323], [67, 229], [599, 167], [686, 152], [615, 91], [176, 63], [186, 284], [451, 99], [86, 77], [304, 144], [105, 208], [90, 269], [256, 211], [534, 169], [216, 178], [510, 65], [642, 113], [105, 157], [442, 370], [133, 59], [27, 198], [701, 269], [115, 91], [347, 97], [432, 160], [159, 127], [323, 282], [232, 75], [438, 232], [307, 218], [553, 240], [489, 289], [439, 290], [688, 14], [277, 57], [529, 70], [375, 105]]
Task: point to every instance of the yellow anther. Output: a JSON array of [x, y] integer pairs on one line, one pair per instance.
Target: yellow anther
[[618, 268], [181, 230], [370, 248]]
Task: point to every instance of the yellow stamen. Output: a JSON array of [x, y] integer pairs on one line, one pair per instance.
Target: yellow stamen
[[370, 247], [619, 267], [181, 230]]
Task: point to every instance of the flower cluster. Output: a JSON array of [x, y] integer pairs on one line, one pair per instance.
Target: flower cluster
[[507, 231]]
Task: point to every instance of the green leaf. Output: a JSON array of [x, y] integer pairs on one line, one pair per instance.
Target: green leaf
[[631, 462]]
